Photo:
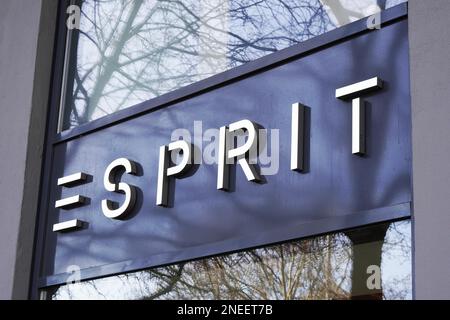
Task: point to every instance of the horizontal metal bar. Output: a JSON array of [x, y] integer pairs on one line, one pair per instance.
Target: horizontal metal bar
[[359, 88], [72, 179], [290, 233], [66, 226], [250, 68], [71, 201]]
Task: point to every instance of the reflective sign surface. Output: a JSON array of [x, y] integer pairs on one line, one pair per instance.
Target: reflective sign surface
[[336, 189]]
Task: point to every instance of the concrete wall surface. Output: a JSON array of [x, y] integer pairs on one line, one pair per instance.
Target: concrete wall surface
[[429, 24], [26, 48]]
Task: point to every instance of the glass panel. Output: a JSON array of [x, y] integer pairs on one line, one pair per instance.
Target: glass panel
[[366, 263], [129, 51]]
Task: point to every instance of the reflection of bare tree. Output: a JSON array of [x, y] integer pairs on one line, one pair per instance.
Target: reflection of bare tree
[[326, 267], [128, 51], [304, 269], [132, 50], [310, 269], [397, 246]]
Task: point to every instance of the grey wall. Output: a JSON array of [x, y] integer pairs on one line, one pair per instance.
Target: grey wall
[[429, 26], [25, 68]]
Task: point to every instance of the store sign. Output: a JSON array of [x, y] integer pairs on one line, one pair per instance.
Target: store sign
[[228, 155], [316, 144]]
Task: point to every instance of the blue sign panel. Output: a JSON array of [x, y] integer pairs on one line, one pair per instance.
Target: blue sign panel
[[329, 127]]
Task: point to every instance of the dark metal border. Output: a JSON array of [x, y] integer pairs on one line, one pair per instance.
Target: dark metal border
[[52, 122], [401, 211]]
